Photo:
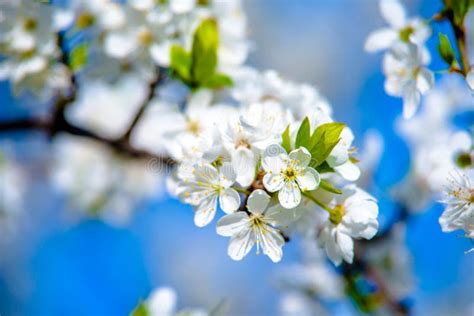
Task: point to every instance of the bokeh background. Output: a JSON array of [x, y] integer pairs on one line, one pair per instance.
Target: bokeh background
[[52, 265]]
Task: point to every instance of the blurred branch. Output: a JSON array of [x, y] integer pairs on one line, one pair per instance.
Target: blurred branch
[[160, 78], [371, 301], [57, 122]]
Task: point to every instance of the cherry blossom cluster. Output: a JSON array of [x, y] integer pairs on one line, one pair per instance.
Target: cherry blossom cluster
[[106, 37], [263, 150], [269, 160], [406, 57], [28, 38], [442, 156]]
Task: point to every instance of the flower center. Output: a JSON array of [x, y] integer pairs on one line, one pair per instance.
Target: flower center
[[405, 33], [256, 220], [290, 173], [242, 142], [193, 127], [336, 214], [30, 24], [84, 20], [145, 37], [464, 160]]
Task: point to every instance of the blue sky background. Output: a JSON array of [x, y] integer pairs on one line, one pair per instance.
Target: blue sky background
[[55, 267]]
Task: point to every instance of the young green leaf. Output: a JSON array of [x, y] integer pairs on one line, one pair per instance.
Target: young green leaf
[[460, 9], [445, 49], [286, 139], [180, 62], [324, 168], [326, 185], [78, 57], [218, 80], [204, 51], [303, 135], [140, 310], [323, 141]]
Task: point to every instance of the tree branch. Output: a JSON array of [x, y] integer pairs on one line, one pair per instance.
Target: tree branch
[[160, 78]]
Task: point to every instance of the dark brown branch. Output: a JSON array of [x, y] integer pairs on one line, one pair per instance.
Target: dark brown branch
[[162, 75]]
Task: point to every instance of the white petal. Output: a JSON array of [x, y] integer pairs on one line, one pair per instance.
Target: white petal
[[393, 86], [162, 302], [244, 162], [232, 224], [23, 41], [161, 53], [206, 211], [470, 79], [181, 6], [272, 243], [424, 80], [258, 201], [274, 150], [380, 39], [280, 216], [348, 171], [119, 45], [229, 200], [393, 12], [206, 173], [62, 19], [290, 195], [227, 175], [309, 180], [142, 5], [411, 99], [346, 245], [327, 238], [240, 244], [301, 156], [274, 159], [273, 182]]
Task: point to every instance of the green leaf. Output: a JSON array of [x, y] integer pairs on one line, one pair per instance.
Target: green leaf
[[303, 136], [140, 310], [204, 51], [460, 8], [445, 49], [78, 57], [286, 139], [323, 141], [180, 62], [324, 168], [218, 80], [326, 185]]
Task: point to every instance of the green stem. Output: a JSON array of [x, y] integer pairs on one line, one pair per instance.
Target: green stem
[[318, 202]]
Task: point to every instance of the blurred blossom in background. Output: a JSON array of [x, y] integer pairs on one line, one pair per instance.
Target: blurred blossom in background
[[54, 262]]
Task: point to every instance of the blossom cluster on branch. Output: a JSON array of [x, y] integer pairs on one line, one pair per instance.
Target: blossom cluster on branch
[[145, 94]]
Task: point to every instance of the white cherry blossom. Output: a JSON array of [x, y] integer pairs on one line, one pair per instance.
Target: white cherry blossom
[[400, 28], [204, 186], [257, 226], [459, 201], [289, 174], [354, 215], [406, 76]]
